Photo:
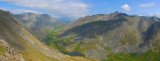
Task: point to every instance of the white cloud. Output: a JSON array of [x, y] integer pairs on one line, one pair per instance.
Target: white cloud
[[20, 11], [71, 8], [147, 5], [4, 8], [155, 14], [126, 7]]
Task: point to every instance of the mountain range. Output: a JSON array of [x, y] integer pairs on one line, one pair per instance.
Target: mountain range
[[38, 24], [102, 37], [18, 44]]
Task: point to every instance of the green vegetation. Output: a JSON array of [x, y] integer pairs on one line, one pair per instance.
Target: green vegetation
[[32, 54], [2, 50], [155, 44], [57, 42], [77, 48], [130, 37], [53, 40], [25, 45], [148, 56]]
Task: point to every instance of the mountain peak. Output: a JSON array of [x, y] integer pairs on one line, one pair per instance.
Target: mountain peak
[[117, 13], [45, 15]]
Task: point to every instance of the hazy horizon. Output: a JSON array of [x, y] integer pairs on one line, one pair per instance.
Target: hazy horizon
[[80, 8]]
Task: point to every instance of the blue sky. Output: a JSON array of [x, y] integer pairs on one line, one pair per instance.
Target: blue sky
[[137, 7], [79, 8]]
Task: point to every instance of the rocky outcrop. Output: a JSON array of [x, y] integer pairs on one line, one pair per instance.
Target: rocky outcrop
[[8, 53]]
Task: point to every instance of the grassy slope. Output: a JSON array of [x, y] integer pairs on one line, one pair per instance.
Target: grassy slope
[[26, 44], [148, 56], [130, 38], [16, 41]]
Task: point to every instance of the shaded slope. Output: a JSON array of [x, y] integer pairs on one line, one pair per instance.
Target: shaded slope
[[38, 24], [97, 27], [113, 33], [26, 44]]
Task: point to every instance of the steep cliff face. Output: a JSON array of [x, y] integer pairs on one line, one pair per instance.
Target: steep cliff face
[[100, 35], [23, 45]]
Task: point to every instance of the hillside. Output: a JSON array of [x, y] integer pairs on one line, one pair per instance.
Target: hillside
[[38, 24], [17, 44], [114, 36]]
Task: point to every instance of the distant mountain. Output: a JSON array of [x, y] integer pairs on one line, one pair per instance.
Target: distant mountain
[[38, 24], [102, 35], [17, 44]]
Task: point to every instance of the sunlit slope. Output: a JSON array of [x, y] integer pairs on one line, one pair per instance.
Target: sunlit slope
[[26, 44], [99, 36]]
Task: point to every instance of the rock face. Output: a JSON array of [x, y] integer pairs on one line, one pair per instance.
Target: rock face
[[38, 24], [21, 45], [116, 32], [8, 53]]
